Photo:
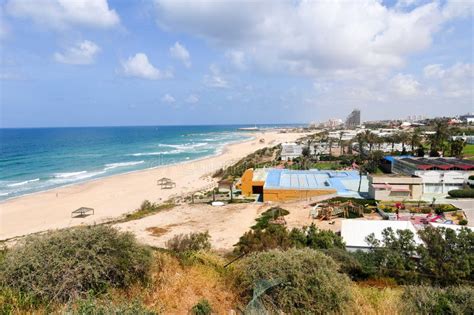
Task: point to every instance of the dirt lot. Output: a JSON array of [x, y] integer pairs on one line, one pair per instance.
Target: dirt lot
[[225, 224]]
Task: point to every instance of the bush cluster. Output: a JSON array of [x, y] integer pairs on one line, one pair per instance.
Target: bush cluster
[[432, 300], [61, 265], [446, 257], [202, 308], [267, 234], [189, 242], [293, 281], [462, 193]]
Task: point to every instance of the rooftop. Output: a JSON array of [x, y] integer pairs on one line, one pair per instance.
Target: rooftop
[[439, 163], [354, 232]]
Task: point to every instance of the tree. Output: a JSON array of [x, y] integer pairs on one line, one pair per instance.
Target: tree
[[456, 147], [403, 137], [370, 139], [393, 254], [440, 136], [360, 138], [447, 255], [415, 139]]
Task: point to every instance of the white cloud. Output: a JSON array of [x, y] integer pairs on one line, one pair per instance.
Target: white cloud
[[168, 99], [192, 99], [82, 53], [60, 14], [180, 52], [237, 58], [405, 85], [307, 37], [215, 78], [455, 81], [139, 66]]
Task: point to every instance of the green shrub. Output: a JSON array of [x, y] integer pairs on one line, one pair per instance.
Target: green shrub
[[357, 201], [432, 300], [462, 193], [300, 281], [61, 265], [271, 214], [91, 306], [189, 242], [274, 236], [348, 263], [147, 208], [202, 308], [463, 222]]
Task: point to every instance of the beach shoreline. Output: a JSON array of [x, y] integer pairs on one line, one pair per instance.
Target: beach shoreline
[[115, 195]]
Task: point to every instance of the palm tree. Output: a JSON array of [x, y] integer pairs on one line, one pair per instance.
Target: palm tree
[[341, 134], [440, 136], [360, 138], [403, 137], [369, 138], [415, 139]]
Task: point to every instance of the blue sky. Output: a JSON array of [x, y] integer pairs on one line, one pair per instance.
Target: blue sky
[[98, 62]]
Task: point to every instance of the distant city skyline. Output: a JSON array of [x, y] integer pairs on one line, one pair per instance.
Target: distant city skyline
[[171, 62]]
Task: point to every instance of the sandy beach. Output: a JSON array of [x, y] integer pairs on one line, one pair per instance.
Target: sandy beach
[[114, 196]]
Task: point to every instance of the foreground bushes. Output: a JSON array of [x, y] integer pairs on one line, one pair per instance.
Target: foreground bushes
[[268, 234], [432, 300], [293, 281], [62, 265], [189, 242], [462, 193]]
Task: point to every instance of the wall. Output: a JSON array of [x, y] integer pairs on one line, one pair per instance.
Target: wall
[[294, 194]]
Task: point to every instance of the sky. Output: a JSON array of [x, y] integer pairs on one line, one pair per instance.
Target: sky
[[172, 62]]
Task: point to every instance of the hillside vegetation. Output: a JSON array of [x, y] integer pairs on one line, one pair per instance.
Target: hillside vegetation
[[98, 270]]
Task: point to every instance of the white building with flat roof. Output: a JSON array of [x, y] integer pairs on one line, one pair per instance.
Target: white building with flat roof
[[355, 232]]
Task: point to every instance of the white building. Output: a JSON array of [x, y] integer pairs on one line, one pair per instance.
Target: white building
[[439, 175], [291, 150], [355, 232]]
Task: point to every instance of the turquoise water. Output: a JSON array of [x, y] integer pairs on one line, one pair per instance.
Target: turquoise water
[[38, 159]]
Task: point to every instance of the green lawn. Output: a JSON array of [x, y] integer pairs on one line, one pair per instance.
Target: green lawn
[[469, 151], [327, 166]]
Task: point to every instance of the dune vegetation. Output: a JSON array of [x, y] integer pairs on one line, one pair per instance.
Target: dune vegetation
[[98, 270]]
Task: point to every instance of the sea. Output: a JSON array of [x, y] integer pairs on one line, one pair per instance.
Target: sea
[[38, 159]]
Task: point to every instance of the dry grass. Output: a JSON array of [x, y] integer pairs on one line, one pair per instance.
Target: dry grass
[[177, 288], [373, 300], [157, 231]]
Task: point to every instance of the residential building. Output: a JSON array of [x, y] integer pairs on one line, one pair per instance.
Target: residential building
[[353, 120], [355, 232], [395, 187], [291, 150], [439, 175], [468, 118]]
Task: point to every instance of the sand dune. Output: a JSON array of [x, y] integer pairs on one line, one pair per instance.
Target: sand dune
[[114, 196]]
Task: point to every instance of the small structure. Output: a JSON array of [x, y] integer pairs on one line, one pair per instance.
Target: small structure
[[82, 212], [395, 187], [166, 183], [355, 232]]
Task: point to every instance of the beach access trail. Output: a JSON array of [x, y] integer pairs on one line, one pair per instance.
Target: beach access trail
[[114, 196]]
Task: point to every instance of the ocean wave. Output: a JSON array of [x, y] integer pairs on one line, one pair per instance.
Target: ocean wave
[[72, 177], [184, 146], [4, 194], [67, 175], [23, 183], [121, 164]]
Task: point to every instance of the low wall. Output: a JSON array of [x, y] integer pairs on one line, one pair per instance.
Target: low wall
[[294, 194]]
